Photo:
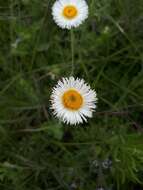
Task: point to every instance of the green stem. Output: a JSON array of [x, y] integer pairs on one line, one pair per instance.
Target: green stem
[[72, 52]]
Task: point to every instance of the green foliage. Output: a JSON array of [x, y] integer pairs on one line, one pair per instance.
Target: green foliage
[[36, 151]]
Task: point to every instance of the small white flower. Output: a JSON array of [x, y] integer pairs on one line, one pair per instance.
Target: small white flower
[[69, 13], [73, 100], [15, 44]]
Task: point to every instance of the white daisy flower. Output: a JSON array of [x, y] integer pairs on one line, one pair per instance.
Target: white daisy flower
[[73, 100], [69, 13]]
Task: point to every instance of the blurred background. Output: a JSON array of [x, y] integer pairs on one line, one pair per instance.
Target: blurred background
[[36, 150]]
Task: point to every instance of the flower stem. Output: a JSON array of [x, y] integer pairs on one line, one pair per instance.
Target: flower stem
[[72, 52]]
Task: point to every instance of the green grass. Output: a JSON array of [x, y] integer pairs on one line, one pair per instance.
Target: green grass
[[36, 150]]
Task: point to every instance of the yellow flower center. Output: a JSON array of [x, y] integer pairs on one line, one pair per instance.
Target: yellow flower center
[[70, 11], [72, 99]]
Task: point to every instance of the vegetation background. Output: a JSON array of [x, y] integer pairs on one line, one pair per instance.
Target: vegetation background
[[37, 151]]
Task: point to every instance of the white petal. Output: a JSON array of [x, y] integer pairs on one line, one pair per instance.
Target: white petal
[[64, 22], [69, 116]]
